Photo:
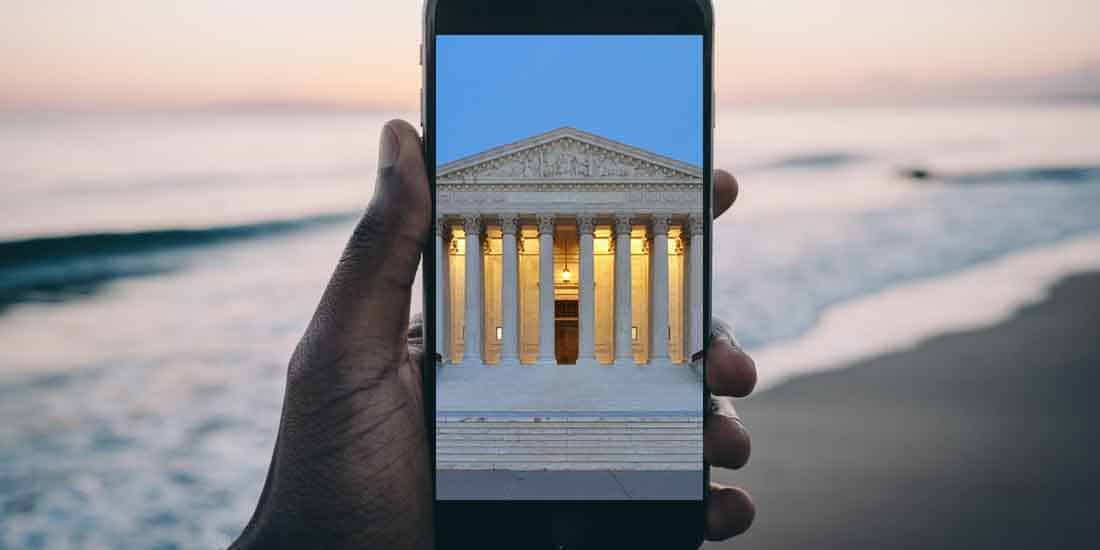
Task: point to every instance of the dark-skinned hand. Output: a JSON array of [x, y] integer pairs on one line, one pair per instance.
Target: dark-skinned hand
[[351, 465]]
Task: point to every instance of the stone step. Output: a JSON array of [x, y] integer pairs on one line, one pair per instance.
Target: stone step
[[640, 439], [569, 426], [695, 457], [570, 421], [620, 453], [568, 433], [572, 466], [580, 417], [578, 428], [549, 449], [570, 443]]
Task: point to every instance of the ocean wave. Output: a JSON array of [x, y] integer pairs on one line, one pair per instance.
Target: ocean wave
[[1084, 173], [58, 268], [192, 180]]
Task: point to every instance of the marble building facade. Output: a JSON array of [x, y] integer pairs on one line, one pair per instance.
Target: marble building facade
[[569, 248]]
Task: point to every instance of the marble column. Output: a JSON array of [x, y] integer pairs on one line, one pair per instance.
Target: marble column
[[586, 352], [472, 344], [442, 291], [509, 284], [695, 286], [546, 291], [658, 291], [624, 320]]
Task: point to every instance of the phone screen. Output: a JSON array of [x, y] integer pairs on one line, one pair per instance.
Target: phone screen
[[570, 245]]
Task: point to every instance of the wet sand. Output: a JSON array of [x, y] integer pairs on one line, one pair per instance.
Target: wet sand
[[979, 439]]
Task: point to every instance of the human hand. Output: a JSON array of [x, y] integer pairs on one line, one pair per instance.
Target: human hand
[[351, 466], [730, 373]]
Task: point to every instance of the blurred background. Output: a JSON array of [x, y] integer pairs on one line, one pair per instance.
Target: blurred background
[[909, 260]]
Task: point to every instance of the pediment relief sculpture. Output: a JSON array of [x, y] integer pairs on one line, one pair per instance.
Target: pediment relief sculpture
[[567, 154]]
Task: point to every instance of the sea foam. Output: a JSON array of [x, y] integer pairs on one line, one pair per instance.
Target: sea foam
[[905, 315]]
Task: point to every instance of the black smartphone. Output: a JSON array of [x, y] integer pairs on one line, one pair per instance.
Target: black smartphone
[[567, 287]]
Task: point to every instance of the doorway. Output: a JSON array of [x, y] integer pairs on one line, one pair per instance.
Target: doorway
[[566, 332]]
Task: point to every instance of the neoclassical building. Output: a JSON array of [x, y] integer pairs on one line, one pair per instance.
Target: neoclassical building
[[569, 248]]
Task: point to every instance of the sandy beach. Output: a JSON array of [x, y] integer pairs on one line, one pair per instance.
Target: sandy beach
[[977, 439]]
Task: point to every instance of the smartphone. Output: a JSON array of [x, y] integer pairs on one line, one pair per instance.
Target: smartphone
[[567, 287]]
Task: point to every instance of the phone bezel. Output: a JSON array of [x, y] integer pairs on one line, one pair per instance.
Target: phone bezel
[[627, 17]]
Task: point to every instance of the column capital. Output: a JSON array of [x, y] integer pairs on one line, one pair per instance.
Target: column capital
[[508, 223], [660, 224], [546, 224], [695, 224], [442, 228], [622, 224], [471, 223], [586, 224]]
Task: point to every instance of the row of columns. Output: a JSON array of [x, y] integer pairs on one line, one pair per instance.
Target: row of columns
[[624, 353]]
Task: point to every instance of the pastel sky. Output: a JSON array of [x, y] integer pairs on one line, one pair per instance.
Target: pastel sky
[[363, 52], [494, 90]]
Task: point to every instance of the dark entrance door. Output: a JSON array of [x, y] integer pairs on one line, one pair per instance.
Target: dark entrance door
[[566, 332]]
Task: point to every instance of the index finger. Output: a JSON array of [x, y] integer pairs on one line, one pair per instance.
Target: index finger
[[725, 191]]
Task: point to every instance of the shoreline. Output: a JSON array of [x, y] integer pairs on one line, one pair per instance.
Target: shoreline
[[982, 295], [977, 438]]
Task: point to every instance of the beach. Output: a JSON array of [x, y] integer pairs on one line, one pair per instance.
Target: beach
[[149, 303], [974, 439]]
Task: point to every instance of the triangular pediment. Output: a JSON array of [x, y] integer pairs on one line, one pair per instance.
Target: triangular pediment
[[567, 154]]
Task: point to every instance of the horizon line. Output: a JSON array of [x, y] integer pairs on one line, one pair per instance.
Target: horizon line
[[335, 107]]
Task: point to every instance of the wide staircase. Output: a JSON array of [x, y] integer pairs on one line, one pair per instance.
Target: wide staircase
[[657, 441]]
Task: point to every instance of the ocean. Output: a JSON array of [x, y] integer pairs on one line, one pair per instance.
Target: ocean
[[156, 270]]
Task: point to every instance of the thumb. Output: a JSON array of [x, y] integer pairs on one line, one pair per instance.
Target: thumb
[[365, 307]]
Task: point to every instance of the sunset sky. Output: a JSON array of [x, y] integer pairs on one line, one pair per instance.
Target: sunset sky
[[362, 53]]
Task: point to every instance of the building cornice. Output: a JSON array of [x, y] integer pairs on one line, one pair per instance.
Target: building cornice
[[566, 155]]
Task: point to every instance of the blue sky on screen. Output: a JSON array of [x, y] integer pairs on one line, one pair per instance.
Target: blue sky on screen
[[645, 91]]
